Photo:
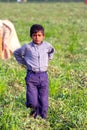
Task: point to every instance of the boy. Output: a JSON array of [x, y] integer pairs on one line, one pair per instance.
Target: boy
[[35, 56]]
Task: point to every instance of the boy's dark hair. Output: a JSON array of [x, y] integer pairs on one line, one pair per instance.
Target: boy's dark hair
[[36, 28]]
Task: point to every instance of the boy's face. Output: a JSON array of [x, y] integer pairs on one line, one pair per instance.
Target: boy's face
[[37, 37]]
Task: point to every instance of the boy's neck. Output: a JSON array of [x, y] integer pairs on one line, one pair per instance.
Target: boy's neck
[[37, 43]]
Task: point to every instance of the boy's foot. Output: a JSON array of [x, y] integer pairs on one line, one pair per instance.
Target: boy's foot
[[33, 114]]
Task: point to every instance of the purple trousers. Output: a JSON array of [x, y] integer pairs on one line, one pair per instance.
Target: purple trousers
[[37, 92]]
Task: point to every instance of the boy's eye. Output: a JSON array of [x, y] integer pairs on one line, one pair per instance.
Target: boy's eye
[[39, 35], [36, 35]]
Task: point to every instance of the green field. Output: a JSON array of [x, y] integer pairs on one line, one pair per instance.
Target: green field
[[66, 29]]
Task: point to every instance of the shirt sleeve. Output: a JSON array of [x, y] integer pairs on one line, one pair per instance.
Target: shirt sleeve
[[19, 55], [51, 51]]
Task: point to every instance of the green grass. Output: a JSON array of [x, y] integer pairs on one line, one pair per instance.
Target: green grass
[[66, 29]]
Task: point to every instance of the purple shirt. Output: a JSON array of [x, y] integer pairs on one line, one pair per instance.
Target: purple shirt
[[35, 57]]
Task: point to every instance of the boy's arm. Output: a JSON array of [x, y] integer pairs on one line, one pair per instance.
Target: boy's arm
[[19, 55], [51, 52]]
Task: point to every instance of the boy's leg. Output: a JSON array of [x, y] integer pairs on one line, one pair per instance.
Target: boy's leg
[[43, 96], [32, 99], [31, 95]]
